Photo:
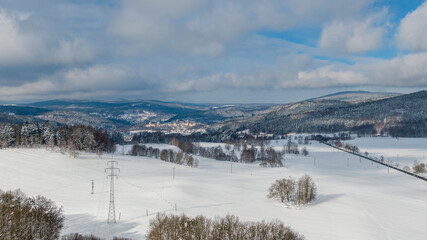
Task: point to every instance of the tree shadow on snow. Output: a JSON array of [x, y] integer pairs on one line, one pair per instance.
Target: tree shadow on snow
[[87, 224], [322, 198]]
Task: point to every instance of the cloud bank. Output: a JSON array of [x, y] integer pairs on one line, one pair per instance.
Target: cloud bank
[[174, 49]]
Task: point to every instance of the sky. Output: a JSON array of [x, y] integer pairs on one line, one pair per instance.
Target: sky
[[216, 51]]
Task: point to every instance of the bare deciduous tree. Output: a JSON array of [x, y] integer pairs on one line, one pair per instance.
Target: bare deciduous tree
[[25, 217], [306, 190], [73, 150], [99, 152], [164, 155], [283, 189], [50, 145]]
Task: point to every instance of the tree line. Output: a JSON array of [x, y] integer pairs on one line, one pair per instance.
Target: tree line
[[235, 152], [67, 138], [167, 155]]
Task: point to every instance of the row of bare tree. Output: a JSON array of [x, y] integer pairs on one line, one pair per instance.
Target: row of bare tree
[[182, 227], [167, 155]]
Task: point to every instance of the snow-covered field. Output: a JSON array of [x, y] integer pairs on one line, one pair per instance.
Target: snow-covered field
[[401, 151], [126, 149], [356, 199]]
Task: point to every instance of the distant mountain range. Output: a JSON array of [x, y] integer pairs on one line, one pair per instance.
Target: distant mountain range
[[105, 114], [361, 111]]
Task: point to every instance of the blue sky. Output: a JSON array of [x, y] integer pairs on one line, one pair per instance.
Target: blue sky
[[209, 51]]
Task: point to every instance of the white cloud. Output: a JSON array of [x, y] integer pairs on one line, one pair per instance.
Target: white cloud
[[179, 38], [18, 46], [73, 51], [402, 71], [305, 72], [15, 46], [207, 27], [229, 80], [412, 32], [405, 71], [349, 37], [91, 79], [39, 87], [326, 77], [95, 78]]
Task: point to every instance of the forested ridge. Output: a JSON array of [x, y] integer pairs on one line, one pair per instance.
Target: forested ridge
[[400, 116]]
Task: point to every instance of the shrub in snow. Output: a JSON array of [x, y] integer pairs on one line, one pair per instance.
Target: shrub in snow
[[304, 151], [77, 236], [351, 148], [23, 217], [229, 227], [418, 167]]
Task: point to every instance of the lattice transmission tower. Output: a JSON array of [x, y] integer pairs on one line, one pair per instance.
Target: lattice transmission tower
[[112, 174]]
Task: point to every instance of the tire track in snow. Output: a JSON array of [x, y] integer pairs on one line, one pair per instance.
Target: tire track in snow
[[101, 195], [148, 190]]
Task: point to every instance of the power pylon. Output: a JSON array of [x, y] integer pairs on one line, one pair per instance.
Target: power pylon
[[111, 209]]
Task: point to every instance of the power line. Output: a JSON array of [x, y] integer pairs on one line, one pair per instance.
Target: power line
[[111, 209]]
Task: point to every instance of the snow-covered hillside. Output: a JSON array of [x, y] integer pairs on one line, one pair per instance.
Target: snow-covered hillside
[[356, 199]]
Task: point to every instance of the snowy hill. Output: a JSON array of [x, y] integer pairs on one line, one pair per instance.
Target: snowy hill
[[357, 96], [356, 199], [403, 115]]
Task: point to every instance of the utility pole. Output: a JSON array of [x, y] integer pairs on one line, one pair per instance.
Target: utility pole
[[92, 186], [388, 166], [111, 209]]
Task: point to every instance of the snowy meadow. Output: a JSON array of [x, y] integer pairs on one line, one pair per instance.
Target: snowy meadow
[[356, 198]]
